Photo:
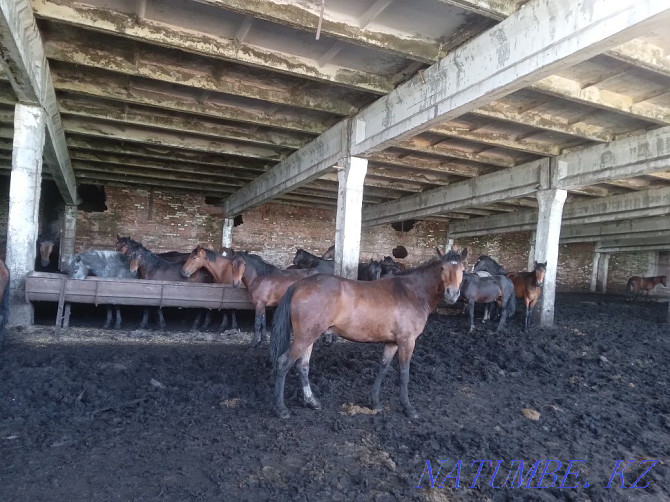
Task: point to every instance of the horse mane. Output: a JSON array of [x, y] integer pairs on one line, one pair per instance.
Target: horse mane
[[452, 256], [420, 268], [211, 255], [262, 267]]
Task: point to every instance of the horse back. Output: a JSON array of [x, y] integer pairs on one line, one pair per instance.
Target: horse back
[[270, 288]]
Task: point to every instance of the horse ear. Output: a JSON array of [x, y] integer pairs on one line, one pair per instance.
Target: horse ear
[[439, 253], [464, 254]]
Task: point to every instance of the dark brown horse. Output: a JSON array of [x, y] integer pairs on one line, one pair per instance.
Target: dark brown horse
[[392, 310], [4, 298], [125, 245], [220, 266], [329, 254], [265, 285], [528, 285], [637, 285], [48, 253]]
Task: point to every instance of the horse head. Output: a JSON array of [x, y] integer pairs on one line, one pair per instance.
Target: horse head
[[239, 267], [195, 261], [76, 268], [540, 269], [46, 247], [298, 256], [453, 266], [135, 258], [664, 280]]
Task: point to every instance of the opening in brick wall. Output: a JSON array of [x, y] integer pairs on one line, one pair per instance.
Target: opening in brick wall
[[399, 252], [404, 226], [93, 198], [237, 221]]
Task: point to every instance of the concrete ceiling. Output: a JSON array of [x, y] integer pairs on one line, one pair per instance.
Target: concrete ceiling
[[206, 95]]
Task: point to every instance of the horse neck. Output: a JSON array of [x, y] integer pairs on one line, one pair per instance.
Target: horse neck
[[427, 281], [219, 270], [150, 264]]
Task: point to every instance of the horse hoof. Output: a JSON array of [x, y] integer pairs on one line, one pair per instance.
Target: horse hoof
[[283, 413], [412, 413], [315, 405]]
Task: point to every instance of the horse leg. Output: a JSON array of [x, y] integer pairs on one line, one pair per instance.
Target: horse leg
[[487, 313], [284, 363], [196, 321], [208, 319], [108, 321], [503, 313], [389, 351], [303, 371], [144, 323], [224, 321], [405, 351], [471, 313], [259, 325], [529, 309], [233, 320], [117, 325]]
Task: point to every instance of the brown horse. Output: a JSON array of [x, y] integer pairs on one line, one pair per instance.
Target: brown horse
[[636, 285], [4, 298], [219, 265], [392, 310], [528, 285], [265, 285], [48, 253]]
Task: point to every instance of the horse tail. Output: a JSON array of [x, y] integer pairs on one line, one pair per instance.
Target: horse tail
[[629, 287], [280, 339], [4, 307]]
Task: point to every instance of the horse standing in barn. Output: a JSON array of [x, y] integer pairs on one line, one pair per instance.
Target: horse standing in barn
[[489, 289], [637, 285], [266, 284], [4, 298], [106, 264], [48, 254], [392, 310]]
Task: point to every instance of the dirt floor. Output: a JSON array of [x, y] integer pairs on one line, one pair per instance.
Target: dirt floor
[[142, 415]]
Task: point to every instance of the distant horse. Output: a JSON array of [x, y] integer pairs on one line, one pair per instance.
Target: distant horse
[[527, 285], [636, 285], [125, 245], [391, 267], [392, 310], [219, 266], [4, 298], [265, 285], [151, 267], [477, 289], [48, 253], [107, 264], [367, 271]]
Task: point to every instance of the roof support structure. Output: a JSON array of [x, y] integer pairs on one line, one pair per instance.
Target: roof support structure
[[24, 62]]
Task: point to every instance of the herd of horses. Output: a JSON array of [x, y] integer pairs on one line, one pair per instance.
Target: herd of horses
[[387, 304]]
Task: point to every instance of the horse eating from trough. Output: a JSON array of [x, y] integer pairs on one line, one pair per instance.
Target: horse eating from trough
[[392, 310]]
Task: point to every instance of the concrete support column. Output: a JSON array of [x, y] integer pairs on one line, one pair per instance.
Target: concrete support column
[[449, 244], [227, 233], [531, 251], [348, 222], [603, 269], [24, 203], [594, 272], [546, 246], [68, 236]]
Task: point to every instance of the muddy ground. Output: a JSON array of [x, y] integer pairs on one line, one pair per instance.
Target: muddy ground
[[142, 415]]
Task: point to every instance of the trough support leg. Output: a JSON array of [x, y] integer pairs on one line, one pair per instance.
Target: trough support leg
[[546, 246], [348, 221], [59, 312], [24, 203], [68, 236]]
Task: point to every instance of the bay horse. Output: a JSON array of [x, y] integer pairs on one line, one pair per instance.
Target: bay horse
[[4, 298], [329, 254], [637, 284], [527, 285], [488, 289], [100, 263], [392, 310], [219, 265], [266, 284], [48, 253], [367, 271]]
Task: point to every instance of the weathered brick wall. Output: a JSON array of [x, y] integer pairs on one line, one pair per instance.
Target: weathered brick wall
[[575, 264], [161, 220], [275, 231]]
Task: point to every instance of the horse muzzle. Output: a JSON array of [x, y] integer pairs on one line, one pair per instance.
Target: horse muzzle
[[540, 283], [185, 274], [237, 284], [451, 295], [45, 262]]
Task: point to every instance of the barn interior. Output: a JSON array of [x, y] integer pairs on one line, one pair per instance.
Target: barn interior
[[528, 130]]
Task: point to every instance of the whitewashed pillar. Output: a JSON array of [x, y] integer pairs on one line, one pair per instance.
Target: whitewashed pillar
[[227, 233], [594, 272], [603, 269], [531, 251], [24, 204], [68, 236], [547, 234], [348, 221]]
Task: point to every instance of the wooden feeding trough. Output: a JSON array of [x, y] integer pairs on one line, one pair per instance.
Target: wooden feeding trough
[[42, 286]]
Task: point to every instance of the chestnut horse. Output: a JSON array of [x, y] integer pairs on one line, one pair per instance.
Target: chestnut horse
[[265, 285], [4, 297], [219, 265], [392, 310], [636, 285]]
